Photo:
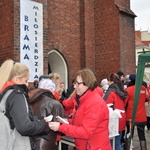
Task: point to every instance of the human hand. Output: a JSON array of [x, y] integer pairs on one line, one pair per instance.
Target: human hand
[[54, 125]]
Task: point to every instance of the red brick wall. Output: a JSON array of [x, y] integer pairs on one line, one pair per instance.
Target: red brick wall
[[17, 30], [107, 38], [91, 33], [138, 34], [114, 40], [64, 32], [6, 30], [123, 3], [127, 44], [89, 8]]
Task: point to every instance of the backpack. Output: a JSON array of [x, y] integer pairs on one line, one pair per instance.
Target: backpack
[[10, 139]]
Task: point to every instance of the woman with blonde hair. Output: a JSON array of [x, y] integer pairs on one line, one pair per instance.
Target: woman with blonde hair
[[15, 76], [56, 78]]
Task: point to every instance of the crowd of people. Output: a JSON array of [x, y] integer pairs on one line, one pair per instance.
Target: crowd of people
[[83, 105], [120, 92]]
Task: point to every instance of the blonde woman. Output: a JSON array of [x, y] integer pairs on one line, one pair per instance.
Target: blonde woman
[[56, 78], [15, 76]]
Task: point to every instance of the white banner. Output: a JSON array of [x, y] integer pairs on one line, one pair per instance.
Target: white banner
[[31, 37]]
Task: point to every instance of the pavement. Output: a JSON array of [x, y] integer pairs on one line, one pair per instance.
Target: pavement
[[136, 143]]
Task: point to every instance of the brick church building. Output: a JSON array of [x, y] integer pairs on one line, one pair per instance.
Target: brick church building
[[97, 34]]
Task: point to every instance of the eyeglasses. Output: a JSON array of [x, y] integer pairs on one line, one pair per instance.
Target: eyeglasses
[[78, 83]]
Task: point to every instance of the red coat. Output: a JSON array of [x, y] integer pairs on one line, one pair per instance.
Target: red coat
[[141, 110], [89, 126], [118, 103], [71, 103], [99, 90], [56, 95], [148, 89]]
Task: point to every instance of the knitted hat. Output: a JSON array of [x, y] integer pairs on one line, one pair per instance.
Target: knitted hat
[[105, 87], [47, 84], [104, 82]]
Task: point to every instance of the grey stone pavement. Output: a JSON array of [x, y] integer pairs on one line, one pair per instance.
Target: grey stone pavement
[[136, 143]]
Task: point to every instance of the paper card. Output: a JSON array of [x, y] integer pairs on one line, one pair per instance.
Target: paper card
[[48, 118]]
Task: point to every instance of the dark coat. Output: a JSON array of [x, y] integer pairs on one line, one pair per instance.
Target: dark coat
[[43, 103], [21, 117]]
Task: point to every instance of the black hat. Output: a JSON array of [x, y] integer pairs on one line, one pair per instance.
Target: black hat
[[132, 77], [120, 73], [43, 77]]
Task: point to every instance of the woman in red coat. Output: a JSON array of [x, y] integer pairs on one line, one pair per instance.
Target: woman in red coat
[[70, 104], [117, 95], [140, 118], [89, 124]]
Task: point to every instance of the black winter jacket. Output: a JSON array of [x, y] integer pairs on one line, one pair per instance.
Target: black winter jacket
[[20, 115]]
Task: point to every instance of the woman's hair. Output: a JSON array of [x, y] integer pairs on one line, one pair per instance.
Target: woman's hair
[[56, 78], [88, 78], [36, 83], [115, 78], [9, 69]]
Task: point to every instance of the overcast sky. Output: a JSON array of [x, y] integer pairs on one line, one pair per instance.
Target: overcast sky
[[142, 10]]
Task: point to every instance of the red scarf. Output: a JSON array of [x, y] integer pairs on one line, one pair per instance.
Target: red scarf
[[8, 83]]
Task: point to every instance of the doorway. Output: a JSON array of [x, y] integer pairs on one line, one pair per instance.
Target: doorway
[[57, 64]]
